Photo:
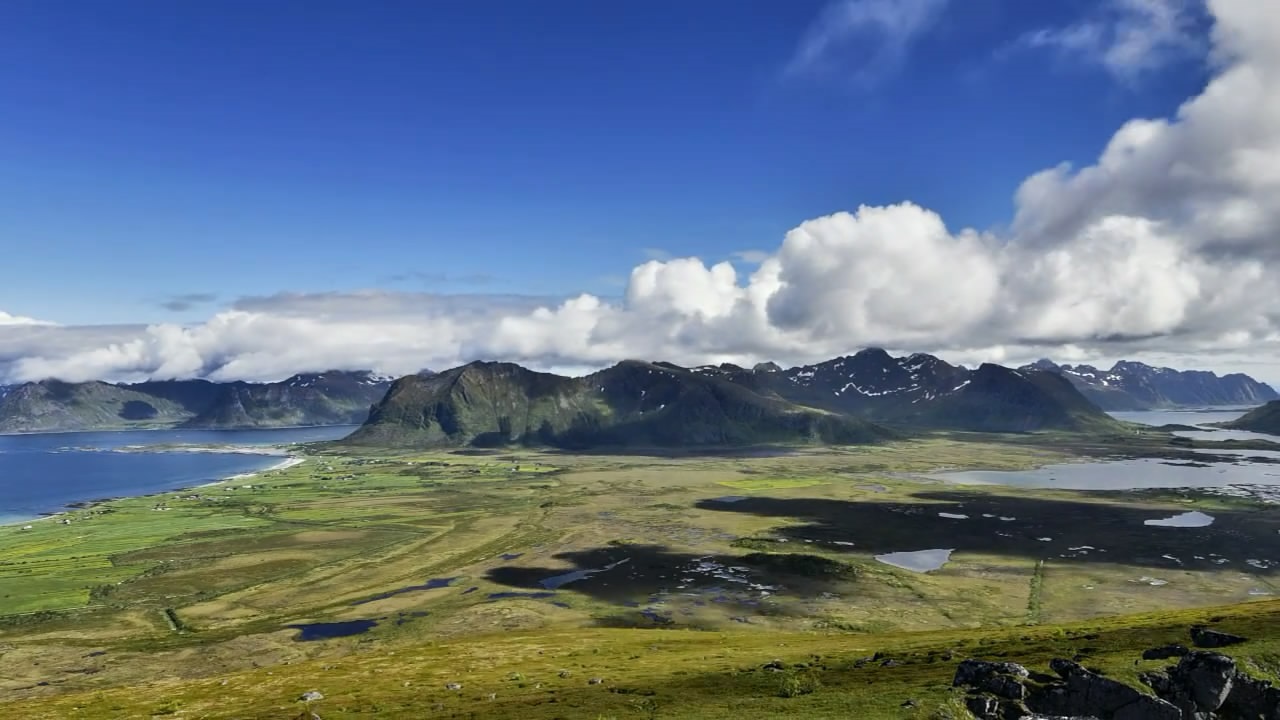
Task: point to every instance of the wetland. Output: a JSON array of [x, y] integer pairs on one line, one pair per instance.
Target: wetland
[[346, 556]]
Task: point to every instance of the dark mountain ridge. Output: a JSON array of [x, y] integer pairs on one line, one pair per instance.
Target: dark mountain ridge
[[328, 398], [633, 403], [924, 391], [841, 401], [1138, 386], [630, 404]]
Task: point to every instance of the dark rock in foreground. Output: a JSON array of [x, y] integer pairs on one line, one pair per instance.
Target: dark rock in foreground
[[1202, 686], [1205, 638], [1164, 652]]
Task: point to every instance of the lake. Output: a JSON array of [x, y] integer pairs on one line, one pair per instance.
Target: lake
[[1196, 417], [43, 473], [1131, 474]]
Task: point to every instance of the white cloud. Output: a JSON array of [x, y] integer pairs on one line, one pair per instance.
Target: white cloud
[[861, 41], [1166, 247], [7, 319], [1127, 37], [893, 275]]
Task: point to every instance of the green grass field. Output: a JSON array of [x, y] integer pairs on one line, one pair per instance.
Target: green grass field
[[673, 594]]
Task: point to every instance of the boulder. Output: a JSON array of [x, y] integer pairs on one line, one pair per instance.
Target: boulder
[[1164, 652], [983, 707], [1005, 686], [1203, 637], [1252, 698], [971, 672], [1204, 685], [1208, 686], [311, 696], [1002, 679], [1084, 693], [1207, 678]]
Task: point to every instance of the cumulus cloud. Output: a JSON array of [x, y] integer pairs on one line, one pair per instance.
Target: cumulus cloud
[[862, 41], [1128, 38], [1165, 247]]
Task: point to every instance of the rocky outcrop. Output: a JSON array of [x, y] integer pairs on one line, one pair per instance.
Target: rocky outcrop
[[1203, 637], [1207, 685], [1202, 686], [1164, 652], [1001, 679], [1083, 692]]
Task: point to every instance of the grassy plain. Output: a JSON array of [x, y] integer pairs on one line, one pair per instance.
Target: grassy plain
[[524, 575]]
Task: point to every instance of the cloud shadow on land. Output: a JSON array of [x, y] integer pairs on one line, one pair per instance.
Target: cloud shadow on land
[[1082, 532], [658, 582]]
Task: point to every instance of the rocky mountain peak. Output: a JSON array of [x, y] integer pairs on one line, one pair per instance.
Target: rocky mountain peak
[[1132, 385], [1045, 364]]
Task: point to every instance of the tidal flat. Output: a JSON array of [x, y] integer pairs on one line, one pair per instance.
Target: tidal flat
[[405, 552]]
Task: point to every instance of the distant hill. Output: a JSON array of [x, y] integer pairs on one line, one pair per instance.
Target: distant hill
[[329, 398], [1137, 386], [630, 404], [53, 405], [923, 390], [1265, 419]]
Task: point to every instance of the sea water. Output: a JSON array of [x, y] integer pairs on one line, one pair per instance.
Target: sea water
[[42, 473]]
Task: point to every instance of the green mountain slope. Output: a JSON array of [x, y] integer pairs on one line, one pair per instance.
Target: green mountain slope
[[1265, 419], [630, 404]]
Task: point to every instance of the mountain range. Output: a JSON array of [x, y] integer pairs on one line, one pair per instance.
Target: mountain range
[[328, 398], [1137, 386], [860, 398], [857, 398], [923, 391]]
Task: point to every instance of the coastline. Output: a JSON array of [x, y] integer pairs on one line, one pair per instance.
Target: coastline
[[289, 461], [164, 428], [215, 449]]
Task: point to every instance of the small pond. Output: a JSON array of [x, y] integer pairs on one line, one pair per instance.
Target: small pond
[[325, 631], [918, 560]]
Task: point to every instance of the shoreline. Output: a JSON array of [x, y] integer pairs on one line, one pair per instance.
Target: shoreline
[[167, 428], [210, 449], [289, 461]]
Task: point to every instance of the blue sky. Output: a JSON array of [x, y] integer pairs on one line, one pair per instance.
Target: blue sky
[[151, 150]]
